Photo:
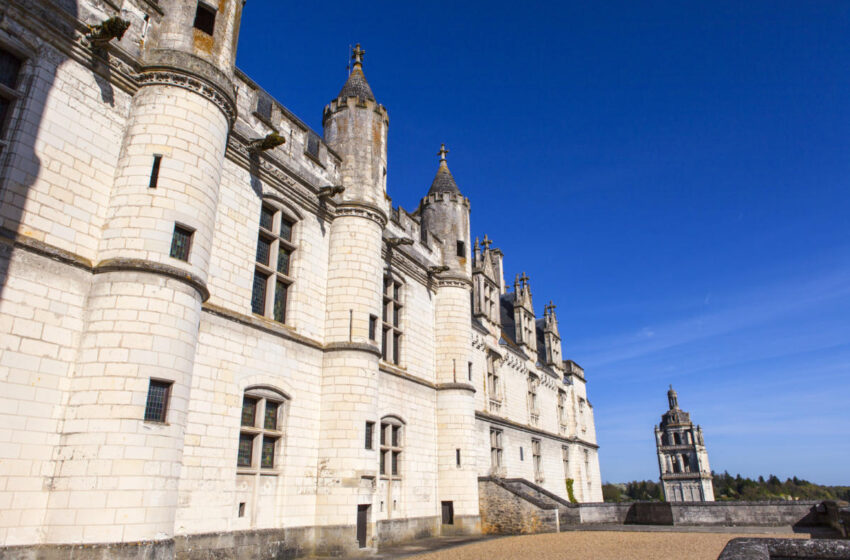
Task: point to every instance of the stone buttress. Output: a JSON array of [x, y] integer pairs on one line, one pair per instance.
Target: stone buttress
[[355, 127], [145, 301], [445, 213]]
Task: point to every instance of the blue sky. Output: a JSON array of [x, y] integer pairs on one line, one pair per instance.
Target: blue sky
[[675, 176]]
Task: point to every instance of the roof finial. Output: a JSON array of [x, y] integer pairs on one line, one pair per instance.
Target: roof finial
[[442, 153], [357, 55], [487, 242]]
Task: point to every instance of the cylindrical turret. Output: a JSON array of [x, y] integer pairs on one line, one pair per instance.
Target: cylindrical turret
[[127, 410], [445, 213], [356, 128]]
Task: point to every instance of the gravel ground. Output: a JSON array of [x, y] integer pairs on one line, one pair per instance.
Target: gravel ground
[[596, 545]]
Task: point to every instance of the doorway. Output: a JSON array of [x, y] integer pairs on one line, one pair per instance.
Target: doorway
[[448, 513], [362, 521]]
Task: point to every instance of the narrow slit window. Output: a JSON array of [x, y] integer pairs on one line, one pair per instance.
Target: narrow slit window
[[205, 18], [461, 249], [157, 160], [156, 406], [373, 327], [457, 457], [370, 434], [181, 242]]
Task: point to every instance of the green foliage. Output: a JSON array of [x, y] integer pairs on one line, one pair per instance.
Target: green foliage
[[637, 490], [572, 496], [727, 487]]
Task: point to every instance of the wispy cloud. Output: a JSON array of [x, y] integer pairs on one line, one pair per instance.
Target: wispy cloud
[[757, 306]]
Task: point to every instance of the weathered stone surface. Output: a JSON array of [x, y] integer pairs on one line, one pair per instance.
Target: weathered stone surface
[[785, 549]]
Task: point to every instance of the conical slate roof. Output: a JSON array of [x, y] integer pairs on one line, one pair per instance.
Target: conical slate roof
[[356, 85], [443, 181]]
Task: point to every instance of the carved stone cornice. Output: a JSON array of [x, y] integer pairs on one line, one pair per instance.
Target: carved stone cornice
[[362, 210], [453, 282], [177, 78]]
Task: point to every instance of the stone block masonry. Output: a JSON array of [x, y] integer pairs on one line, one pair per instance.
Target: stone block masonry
[[147, 241]]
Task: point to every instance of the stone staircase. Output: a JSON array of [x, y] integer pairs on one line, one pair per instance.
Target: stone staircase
[[517, 506]]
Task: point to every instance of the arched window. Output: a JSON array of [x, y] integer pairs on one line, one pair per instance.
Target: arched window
[[392, 441], [272, 272], [261, 431]]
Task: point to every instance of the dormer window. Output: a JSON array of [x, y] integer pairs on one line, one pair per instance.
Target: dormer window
[[205, 18]]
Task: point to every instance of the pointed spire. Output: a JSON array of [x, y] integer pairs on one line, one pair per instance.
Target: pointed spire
[[356, 85], [443, 181]]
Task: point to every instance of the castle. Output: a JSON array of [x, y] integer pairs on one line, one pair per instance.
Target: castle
[[216, 327], [682, 457]]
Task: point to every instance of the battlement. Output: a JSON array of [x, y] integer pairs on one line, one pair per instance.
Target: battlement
[[444, 197], [340, 104]]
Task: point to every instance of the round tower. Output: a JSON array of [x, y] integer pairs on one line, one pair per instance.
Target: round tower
[[355, 127], [445, 213], [122, 440]]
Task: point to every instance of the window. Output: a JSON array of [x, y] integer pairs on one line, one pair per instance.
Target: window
[[391, 339], [391, 445], [521, 454], [562, 407], [157, 160], [205, 18], [495, 448], [370, 436], [261, 431], [587, 467], [312, 147], [492, 379], [457, 458], [264, 107], [677, 440], [272, 279], [532, 396], [156, 407], [461, 249], [181, 242], [469, 371], [10, 68], [536, 460], [565, 457], [686, 463], [373, 327]]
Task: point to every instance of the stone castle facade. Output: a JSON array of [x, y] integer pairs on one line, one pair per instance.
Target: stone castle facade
[[216, 326], [682, 457]]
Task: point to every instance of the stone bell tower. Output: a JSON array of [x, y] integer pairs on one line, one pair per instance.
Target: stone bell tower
[[144, 303], [682, 457], [355, 127], [445, 213]]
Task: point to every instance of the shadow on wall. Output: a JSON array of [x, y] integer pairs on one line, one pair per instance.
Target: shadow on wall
[[28, 67]]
